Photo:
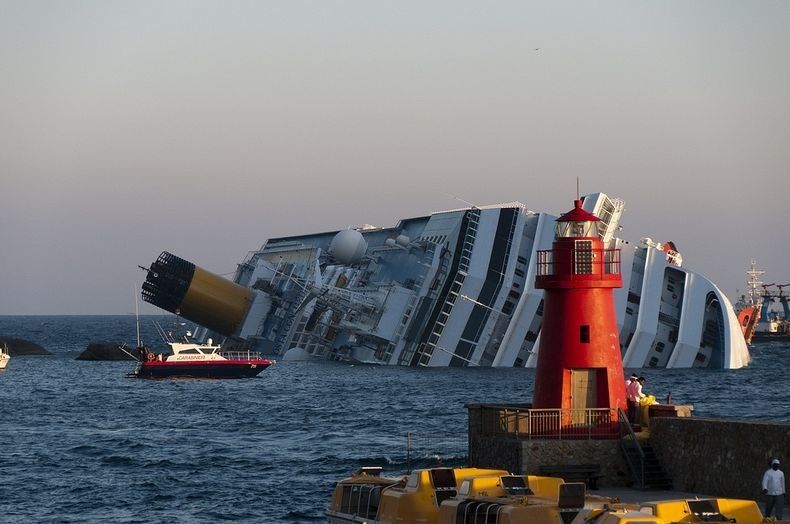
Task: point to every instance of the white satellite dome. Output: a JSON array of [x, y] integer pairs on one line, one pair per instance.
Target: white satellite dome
[[348, 246]]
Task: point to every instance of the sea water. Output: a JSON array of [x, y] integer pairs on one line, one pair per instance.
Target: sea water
[[80, 442]]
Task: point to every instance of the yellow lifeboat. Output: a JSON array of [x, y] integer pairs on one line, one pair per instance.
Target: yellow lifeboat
[[491, 496]]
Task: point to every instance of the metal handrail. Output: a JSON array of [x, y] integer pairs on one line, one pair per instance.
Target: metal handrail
[[627, 431], [240, 355], [553, 423], [604, 261]]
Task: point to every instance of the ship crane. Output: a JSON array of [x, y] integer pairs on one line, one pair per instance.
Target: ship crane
[[783, 300], [767, 299]]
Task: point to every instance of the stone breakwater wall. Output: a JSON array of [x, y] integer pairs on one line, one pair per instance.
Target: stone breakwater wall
[[525, 456], [719, 456]]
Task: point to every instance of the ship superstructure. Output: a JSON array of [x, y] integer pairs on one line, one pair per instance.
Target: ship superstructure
[[455, 288]]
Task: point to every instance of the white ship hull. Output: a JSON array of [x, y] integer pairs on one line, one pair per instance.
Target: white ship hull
[[456, 288]]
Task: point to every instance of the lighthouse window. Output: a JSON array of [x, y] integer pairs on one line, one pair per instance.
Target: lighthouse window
[[584, 334], [583, 257]]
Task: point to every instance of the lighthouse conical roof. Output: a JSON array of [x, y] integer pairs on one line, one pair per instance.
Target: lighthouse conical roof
[[577, 214]]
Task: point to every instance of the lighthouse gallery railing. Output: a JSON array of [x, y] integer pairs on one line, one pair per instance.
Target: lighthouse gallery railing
[[560, 424], [580, 262]]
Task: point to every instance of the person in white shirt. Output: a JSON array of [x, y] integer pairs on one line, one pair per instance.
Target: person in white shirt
[[634, 396], [629, 402], [774, 490]]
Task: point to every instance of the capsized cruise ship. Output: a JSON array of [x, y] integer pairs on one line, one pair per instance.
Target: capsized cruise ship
[[455, 288]]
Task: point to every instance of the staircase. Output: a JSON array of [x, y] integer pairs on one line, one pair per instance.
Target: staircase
[[642, 461]]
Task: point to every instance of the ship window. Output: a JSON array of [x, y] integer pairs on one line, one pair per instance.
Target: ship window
[[507, 308], [629, 311], [531, 336], [518, 363], [653, 362], [354, 499], [670, 288], [345, 501], [660, 347], [516, 285], [413, 480], [700, 357], [584, 334], [518, 273], [521, 260], [189, 352]]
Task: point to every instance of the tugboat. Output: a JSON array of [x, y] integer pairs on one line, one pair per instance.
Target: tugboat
[[190, 359], [5, 357]]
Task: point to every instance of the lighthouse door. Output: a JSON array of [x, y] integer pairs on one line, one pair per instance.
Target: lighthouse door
[[584, 393]]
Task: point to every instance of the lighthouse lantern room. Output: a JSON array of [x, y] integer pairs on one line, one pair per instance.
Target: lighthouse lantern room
[[579, 366]]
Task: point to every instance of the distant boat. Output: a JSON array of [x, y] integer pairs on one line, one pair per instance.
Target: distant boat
[[5, 357], [770, 325], [748, 306]]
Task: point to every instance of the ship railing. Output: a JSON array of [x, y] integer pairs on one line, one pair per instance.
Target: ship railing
[[557, 424], [581, 262], [240, 355]]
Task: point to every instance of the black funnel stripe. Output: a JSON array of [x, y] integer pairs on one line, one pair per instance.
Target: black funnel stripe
[[167, 281]]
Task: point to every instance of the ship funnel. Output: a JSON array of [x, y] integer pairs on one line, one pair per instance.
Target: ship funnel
[[179, 286]]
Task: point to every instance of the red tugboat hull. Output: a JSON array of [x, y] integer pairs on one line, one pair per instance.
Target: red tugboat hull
[[203, 369]]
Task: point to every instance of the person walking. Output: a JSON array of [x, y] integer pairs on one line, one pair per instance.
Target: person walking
[[774, 490]]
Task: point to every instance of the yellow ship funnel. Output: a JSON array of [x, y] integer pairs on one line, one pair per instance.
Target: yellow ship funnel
[[181, 287]]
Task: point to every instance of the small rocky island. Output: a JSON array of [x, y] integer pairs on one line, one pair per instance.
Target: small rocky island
[[18, 347], [103, 350]]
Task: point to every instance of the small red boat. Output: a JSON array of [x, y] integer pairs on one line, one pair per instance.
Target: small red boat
[[190, 359]]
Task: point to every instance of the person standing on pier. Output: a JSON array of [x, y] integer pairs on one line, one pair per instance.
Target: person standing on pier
[[774, 490], [635, 397]]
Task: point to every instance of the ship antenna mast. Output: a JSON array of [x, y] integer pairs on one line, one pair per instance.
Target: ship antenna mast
[[136, 315], [754, 283]]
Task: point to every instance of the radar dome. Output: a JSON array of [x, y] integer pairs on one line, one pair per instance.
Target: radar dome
[[348, 246]]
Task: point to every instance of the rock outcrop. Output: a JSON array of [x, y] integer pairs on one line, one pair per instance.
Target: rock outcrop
[[19, 346], [102, 350]]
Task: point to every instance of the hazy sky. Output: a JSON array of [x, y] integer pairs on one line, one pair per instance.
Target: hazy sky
[[204, 128]]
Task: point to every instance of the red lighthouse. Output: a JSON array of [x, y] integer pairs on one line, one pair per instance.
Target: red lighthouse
[[579, 364]]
